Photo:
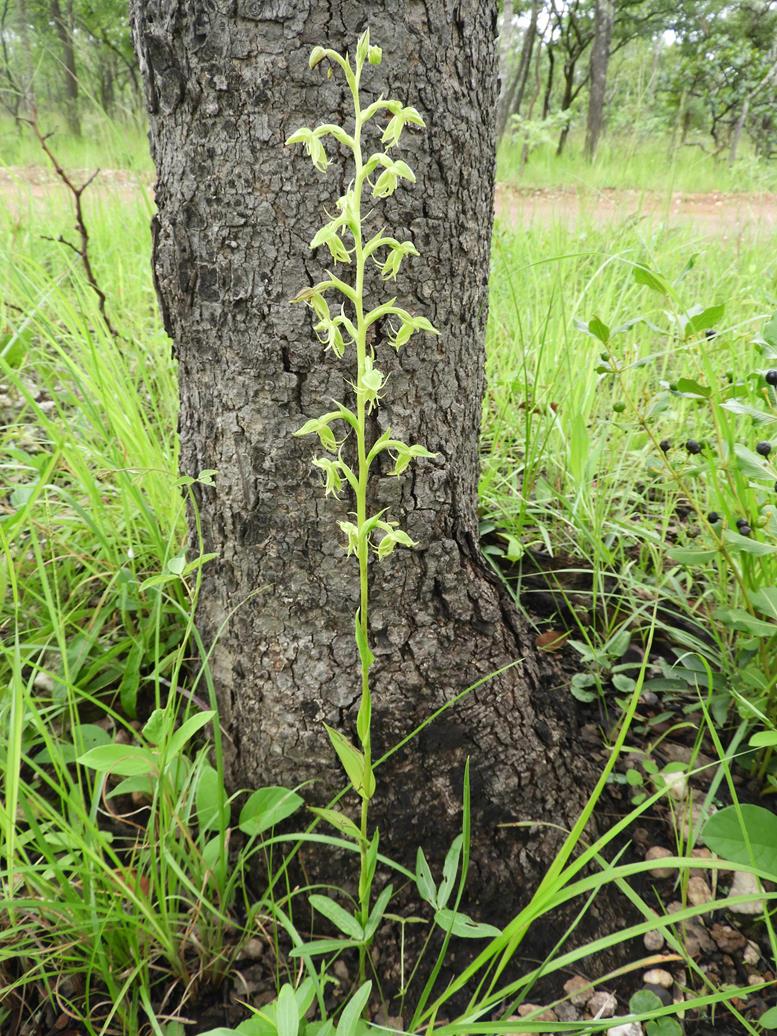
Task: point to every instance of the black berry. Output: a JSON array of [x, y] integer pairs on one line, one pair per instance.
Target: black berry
[[741, 522], [771, 377], [665, 445], [713, 517], [692, 446], [744, 530], [710, 332], [764, 448]]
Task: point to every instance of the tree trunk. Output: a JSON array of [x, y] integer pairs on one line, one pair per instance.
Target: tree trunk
[[736, 134], [27, 99], [63, 24], [549, 81], [512, 97], [225, 87], [600, 59], [566, 102]]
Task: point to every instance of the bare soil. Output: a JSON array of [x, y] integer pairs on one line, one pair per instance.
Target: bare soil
[[715, 214]]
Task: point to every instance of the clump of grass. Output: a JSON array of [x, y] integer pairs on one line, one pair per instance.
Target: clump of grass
[[639, 162]]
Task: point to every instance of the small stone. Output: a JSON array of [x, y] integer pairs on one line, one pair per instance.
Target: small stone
[[727, 939], [699, 892], [654, 941], [578, 990], [43, 682], [661, 992], [566, 1012], [703, 872], [546, 1014], [694, 935], [603, 1005], [253, 949], [629, 1029], [658, 852], [754, 979], [340, 969], [677, 784], [745, 884], [752, 954], [658, 977]]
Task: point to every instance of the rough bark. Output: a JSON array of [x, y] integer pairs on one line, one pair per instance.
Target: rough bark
[[226, 83], [604, 16], [63, 23]]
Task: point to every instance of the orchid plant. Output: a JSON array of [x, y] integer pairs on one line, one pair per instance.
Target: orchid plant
[[342, 322]]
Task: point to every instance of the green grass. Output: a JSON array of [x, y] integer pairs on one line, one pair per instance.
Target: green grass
[[96, 599], [104, 144], [572, 466], [634, 163]]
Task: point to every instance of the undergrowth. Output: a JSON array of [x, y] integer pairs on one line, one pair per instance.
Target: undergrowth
[[131, 882]]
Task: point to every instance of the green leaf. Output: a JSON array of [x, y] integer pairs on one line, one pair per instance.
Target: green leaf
[[751, 464], [339, 917], [267, 807], [765, 600], [736, 406], [352, 1012], [142, 783], [378, 910], [654, 281], [706, 319], [692, 389], [769, 1018], [764, 739], [122, 760], [186, 732], [427, 889], [598, 329], [305, 994], [665, 1026], [216, 858], [211, 798], [449, 869], [322, 946], [739, 619], [464, 927], [723, 834], [747, 545], [365, 654], [154, 727], [287, 1012], [130, 681], [176, 565], [770, 337], [644, 1001], [353, 763], [339, 821]]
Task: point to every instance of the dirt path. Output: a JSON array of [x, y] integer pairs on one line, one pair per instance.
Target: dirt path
[[721, 215]]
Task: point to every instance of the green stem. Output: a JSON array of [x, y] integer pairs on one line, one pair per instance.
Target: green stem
[[361, 503]]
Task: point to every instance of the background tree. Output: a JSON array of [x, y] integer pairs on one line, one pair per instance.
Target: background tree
[[514, 81], [600, 59], [63, 18], [224, 91]]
